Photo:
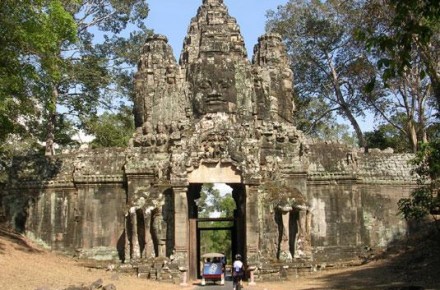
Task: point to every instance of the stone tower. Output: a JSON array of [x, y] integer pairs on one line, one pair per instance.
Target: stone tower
[[217, 117]]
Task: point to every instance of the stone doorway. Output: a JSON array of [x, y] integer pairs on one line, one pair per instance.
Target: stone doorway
[[235, 225]]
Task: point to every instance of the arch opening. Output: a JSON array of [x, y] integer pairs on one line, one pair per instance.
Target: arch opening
[[217, 222]]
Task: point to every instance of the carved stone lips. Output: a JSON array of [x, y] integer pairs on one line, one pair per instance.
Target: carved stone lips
[[214, 99]]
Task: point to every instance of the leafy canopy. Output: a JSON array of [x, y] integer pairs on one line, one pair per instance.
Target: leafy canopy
[[424, 200], [30, 34]]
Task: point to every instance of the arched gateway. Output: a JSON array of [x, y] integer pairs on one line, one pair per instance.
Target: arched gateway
[[212, 117], [215, 117]]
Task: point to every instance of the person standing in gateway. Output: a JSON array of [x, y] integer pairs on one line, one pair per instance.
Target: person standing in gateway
[[237, 272]]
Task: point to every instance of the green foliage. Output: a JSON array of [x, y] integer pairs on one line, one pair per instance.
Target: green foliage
[[64, 131], [387, 136], [212, 202], [397, 30], [424, 200], [30, 32], [428, 160], [419, 205], [313, 116], [112, 130], [99, 70], [52, 67]]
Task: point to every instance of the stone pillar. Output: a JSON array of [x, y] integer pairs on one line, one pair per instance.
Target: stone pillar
[[285, 247], [135, 248], [181, 224], [252, 275], [127, 250], [304, 240], [252, 223], [149, 247], [184, 274]]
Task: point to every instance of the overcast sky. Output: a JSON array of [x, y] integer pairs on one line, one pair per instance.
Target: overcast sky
[[172, 17]]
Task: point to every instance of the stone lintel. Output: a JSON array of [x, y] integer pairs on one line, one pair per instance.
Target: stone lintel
[[142, 176], [329, 177], [179, 184], [93, 179], [42, 185], [219, 172], [295, 174], [252, 181], [142, 172]]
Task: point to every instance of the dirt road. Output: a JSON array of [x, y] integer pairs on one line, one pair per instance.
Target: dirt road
[[26, 266]]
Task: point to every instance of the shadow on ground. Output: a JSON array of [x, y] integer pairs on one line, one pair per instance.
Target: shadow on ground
[[413, 264], [20, 243]]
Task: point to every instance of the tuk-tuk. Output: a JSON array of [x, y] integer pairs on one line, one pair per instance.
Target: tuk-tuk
[[213, 268]]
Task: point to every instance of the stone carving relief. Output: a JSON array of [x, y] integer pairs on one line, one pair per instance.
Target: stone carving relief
[[178, 165], [213, 87], [159, 85], [147, 225], [292, 219], [273, 79], [294, 230]]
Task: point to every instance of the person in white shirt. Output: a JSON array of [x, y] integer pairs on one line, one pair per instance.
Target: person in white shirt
[[237, 272]]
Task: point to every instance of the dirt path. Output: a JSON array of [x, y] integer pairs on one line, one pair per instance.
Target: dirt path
[[25, 266]]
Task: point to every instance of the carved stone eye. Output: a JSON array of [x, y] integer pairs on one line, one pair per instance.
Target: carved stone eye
[[205, 85], [223, 85]]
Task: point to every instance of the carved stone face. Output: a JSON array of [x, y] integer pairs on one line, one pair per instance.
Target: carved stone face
[[214, 88]]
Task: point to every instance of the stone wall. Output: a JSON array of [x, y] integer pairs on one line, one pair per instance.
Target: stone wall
[[81, 201], [73, 203], [329, 160], [348, 218], [353, 198]]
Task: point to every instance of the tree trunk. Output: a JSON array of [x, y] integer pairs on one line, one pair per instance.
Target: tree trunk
[[431, 69], [359, 134], [412, 135], [422, 135], [346, 108], [51, 122]]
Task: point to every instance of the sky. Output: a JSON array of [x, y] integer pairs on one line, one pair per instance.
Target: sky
[[172, 17]]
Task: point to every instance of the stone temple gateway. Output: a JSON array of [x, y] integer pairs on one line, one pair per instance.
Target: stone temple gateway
[[213, 117]]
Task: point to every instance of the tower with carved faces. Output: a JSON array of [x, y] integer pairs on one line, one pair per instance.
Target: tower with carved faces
[[228, 119], [214, 74]]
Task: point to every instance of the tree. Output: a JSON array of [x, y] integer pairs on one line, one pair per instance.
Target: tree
[[30, 33], [313, 116], [387, 136], [97, 74], [72, 74], [112, 129], [328, 63], [405, 103], [425, 199], [405, 99], [401, 28], [212, 202]]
